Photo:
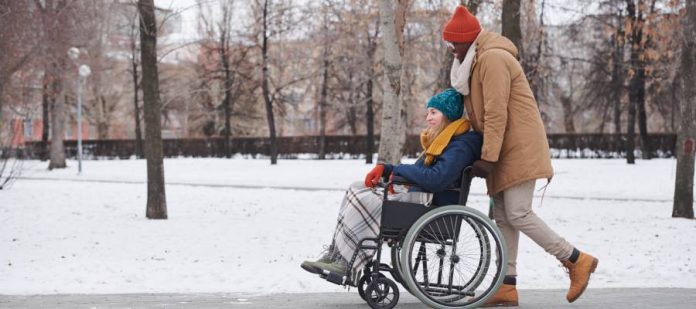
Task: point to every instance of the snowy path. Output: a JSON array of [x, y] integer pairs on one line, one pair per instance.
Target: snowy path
[[89, 234], [593, 298]]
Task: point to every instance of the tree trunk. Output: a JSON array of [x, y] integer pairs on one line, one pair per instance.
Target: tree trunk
[[2, 93], [617, 73], [370, 143], [322, 105], [156, 198], [369, 100], [684, 182], [473, 5], [636, 93], [567, 105], [631, 134], [45, 109], [353, 96], [323, 88], [224, 58], [390, 132], [273, 148], [57, 150], [511, 24], [102, 120], [136, 110], [635, 83], [646, 149], [136, 87], [400, 25]]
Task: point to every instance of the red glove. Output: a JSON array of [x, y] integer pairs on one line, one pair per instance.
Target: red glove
[[374, 175], [482, 168]]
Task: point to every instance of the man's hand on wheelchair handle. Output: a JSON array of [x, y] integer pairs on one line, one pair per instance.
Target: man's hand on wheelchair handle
[[482, 168], [372, 177]]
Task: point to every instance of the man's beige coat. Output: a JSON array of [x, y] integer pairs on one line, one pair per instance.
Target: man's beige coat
[[502, 107]]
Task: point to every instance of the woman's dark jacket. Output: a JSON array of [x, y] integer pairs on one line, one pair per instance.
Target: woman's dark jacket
[[445, 174]]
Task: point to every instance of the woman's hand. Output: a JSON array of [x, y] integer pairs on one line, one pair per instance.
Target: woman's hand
[[372, 178]]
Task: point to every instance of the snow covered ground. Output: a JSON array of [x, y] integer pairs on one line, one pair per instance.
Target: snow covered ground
[[239, 226]]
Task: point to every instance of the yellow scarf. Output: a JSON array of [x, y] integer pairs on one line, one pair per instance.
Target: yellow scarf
[[457, 127]]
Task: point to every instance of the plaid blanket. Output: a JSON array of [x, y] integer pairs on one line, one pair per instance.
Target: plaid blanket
[[359, 218]]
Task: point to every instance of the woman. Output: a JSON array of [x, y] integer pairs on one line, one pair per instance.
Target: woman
[[448, 147]]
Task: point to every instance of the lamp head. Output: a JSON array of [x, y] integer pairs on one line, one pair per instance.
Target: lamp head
[[73, 53], [85, 71]]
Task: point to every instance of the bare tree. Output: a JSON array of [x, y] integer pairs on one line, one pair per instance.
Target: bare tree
[[225, 29], [511, 23], [134, 49], [686, 141], [535, 60], [369, 89], [17, 44], [636, 91], [97, 23], [275, 21], [618, 42], [156, 198], [219, 41], [568, 100], [56, 30], [351, 84], [321, 103], [391, 129], [613, 73], [265, 88]]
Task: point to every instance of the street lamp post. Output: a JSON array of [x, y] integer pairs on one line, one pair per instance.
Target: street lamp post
[[83, 73]]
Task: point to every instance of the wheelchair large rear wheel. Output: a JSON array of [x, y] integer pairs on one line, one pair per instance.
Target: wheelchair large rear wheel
[[453, 257]]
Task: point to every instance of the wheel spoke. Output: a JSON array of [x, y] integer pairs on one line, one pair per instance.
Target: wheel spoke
[[463, 244]]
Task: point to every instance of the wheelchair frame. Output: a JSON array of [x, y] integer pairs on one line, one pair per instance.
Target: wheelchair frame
[[397, 226]]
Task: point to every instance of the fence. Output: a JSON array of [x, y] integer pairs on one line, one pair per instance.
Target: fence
[[562, 146]]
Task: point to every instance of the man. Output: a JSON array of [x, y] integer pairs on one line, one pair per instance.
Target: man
[[515, 151]]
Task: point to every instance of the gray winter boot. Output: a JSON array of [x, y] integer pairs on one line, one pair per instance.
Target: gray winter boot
[[338, 267], [326, 258]]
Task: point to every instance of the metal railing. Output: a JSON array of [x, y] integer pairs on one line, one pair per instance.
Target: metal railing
[[562, 146]]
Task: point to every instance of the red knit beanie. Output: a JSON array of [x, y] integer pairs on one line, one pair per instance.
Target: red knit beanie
[[462, 27]]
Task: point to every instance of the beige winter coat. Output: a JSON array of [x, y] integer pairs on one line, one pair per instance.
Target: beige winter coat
[[502, 107]]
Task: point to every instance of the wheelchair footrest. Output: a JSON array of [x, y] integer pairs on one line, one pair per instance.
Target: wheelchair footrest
[[334, 278]]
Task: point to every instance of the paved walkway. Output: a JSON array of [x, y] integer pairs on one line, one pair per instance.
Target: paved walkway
[[593, 298]]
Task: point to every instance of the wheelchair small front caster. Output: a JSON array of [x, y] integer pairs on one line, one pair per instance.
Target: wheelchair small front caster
[[382, 293], [364, 281]]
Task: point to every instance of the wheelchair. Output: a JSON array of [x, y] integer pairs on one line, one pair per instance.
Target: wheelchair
[[446, 256]]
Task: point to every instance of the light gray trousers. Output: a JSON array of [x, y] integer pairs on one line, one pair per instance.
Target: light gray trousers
[[513, 213]]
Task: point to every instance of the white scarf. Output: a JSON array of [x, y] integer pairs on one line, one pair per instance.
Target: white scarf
[[460, 73]]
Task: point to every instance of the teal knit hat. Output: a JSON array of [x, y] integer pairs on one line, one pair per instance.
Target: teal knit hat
[[449, 102]]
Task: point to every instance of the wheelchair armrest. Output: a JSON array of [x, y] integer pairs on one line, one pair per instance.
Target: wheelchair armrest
[[398, 180]]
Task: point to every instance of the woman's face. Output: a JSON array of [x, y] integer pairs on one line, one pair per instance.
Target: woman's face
[[434, 117]]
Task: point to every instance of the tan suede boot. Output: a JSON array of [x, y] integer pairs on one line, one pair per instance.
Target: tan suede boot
[[579, 273], [505, 297]]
